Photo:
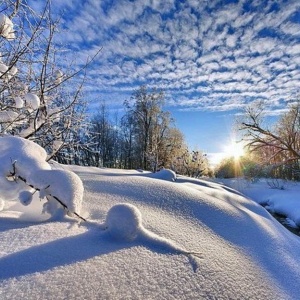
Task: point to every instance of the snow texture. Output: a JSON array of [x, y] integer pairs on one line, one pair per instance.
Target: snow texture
[[281, 201], [3, 68], [13, 71], [246, 253], [25, 197], [124, 223], [8, 116], [61, 184], [58, 77]]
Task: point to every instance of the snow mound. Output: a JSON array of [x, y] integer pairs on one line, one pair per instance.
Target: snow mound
[[245, 250], [165, 174], [32, 100], [21, 157], [19, 102], [124, 222]]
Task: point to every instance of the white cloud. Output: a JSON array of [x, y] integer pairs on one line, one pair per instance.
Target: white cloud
[[291, 29], [202, 49]]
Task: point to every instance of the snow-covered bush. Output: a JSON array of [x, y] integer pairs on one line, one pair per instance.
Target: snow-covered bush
[[24, 170]]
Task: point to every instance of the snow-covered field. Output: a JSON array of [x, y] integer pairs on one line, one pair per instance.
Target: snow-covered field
[[245, 253], [277, 196]]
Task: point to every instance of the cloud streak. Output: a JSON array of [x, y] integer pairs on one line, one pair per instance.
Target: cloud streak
[[206, 55]]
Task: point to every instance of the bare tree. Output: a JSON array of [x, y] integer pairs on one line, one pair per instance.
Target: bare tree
[[103, 138], [278, 146], [149, 122]]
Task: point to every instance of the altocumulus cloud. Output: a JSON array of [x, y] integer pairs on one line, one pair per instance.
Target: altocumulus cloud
[[206, 55]]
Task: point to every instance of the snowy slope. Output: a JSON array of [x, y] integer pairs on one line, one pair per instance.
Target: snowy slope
[[246, 254]]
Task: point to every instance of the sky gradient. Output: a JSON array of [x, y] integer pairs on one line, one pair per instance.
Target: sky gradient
[[211, 58]]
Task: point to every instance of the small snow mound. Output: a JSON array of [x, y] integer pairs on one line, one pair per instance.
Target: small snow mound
[[165, 174], [124, 221], [19, 102]]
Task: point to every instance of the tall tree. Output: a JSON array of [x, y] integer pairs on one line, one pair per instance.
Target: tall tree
[[150, 122]]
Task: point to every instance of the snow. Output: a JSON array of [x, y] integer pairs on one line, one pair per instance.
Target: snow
[[245, 252], [25, 197], [8, 116], [13, 71], [3, 68], [19, 102], [61, 184], [32, 100], [284, 200], [58, 77], [123, 222], [165, 174], [6, 27], [24, 170]]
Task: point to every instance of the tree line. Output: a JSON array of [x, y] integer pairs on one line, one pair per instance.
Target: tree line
[[145, 137]]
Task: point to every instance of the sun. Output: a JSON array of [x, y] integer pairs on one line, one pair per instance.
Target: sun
[[235, 150]]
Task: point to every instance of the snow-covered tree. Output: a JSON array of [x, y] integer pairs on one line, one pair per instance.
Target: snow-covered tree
[[38, 104], [148, 129], [38, 98]]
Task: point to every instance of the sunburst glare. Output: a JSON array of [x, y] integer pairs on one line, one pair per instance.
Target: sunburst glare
[[235, 150]]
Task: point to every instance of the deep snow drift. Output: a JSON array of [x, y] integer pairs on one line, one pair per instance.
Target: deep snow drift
[[246, 254]]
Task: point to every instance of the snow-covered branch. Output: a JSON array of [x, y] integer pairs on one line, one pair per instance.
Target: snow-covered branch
[[23, 168]]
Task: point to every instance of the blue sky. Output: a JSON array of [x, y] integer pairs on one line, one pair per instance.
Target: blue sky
[[212, 58]]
